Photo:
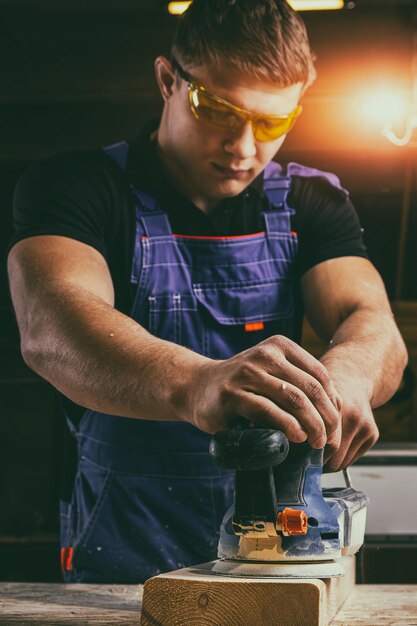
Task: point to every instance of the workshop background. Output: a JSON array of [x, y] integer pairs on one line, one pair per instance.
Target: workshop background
[[78, 74]]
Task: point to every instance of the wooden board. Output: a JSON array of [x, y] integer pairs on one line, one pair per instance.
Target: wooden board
[[195, 597], [46, 604], [390, 605], [41, 604]]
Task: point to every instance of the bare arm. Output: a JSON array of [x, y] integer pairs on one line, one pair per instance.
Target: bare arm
[[347, 305], [72, 336]]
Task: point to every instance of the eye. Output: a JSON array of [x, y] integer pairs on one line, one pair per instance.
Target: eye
[[218, 112], [220, 116], [233, 119], [269, 123]]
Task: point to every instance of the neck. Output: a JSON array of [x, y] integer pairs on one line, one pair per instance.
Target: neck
[[174, 172]]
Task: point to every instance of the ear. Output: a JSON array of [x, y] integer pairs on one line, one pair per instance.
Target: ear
[[165, 77]]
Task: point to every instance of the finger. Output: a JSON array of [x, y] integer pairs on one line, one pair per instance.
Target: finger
[[356, 452], [294, 402], [303, 360], [363, 437], [263, 412], [342, 458], [339, 402], [335, 458], [333, 444], [318, 397], [368, 445]]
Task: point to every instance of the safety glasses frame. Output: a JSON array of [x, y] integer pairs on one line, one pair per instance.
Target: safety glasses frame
[[265, 127]]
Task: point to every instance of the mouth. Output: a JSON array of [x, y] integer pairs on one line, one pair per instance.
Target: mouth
[[231, 172]]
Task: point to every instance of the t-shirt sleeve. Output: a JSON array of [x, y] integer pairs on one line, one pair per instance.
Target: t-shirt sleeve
[[68, 195], [327, 223]]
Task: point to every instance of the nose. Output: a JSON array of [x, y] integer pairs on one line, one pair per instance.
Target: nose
[[242, 142]]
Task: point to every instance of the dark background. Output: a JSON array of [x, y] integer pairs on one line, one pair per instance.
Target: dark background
[[79, 74]]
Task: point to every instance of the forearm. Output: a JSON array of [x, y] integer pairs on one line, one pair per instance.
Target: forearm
[[368, 352], [105, 361]]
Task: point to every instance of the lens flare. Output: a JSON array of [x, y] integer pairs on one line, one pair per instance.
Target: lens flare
[[384, 107], [315, 5], [390, 111], [178, 8]]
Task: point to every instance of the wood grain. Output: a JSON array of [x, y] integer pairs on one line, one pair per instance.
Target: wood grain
[[102, 605], [369, 605], [59, 604], [195, 597]]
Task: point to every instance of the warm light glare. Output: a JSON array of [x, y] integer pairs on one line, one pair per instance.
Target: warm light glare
[[315, 5], [384, 107], [178, 8], [391, 111]]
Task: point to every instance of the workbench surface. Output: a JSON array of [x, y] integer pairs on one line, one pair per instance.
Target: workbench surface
[[40, 604]]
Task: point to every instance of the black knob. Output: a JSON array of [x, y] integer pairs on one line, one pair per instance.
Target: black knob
[[248, 449]]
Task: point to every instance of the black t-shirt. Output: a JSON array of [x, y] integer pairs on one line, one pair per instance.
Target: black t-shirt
[[86, 196]]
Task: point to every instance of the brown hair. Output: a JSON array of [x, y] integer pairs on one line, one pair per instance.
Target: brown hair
[[264, 38]]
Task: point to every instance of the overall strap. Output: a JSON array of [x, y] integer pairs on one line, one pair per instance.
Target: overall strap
[[155, 223], [295, 169], [118, 152], [277, 186]]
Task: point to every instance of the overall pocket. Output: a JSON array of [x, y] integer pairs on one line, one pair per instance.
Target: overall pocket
[[174, 317], [92, 484], [141, 525], [237, 316], [221, 319]]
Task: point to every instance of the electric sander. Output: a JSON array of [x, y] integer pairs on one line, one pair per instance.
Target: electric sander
[[282, 524]]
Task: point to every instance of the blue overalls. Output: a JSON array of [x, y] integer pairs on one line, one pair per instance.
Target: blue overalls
[[147, 498]]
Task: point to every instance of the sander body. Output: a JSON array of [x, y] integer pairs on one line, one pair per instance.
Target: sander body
[[282, 523]]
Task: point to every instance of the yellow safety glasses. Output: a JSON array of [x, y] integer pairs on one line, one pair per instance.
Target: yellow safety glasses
[[220, 113]]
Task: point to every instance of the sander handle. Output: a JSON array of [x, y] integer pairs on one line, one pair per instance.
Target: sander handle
[[245, 448]]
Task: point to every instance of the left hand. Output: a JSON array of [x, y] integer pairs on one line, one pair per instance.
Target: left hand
[[357, 434]]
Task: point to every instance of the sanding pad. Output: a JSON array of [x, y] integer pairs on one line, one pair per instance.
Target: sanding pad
[[321, 569]]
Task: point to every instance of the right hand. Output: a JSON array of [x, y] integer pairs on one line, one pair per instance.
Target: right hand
[[275, 384]]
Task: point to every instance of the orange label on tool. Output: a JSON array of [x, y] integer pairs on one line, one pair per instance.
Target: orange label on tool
[[249, 328]]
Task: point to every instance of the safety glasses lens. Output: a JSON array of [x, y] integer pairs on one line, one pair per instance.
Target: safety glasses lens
[[216, 113], [266, 129]]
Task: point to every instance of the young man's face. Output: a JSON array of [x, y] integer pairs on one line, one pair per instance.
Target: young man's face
[[209, 163]]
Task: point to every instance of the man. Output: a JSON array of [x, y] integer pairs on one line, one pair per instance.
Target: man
[[161, 289]]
